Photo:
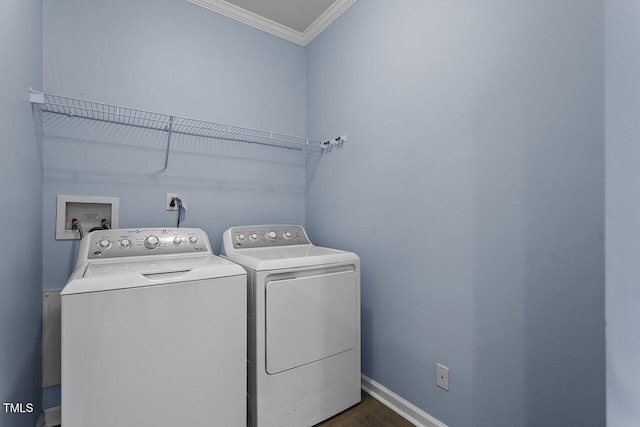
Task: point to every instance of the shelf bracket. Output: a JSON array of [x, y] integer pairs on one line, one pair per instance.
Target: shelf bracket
[[166, 156], [36, 97], [333, 142]]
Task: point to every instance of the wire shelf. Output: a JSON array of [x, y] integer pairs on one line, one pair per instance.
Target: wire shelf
[[172, 124]]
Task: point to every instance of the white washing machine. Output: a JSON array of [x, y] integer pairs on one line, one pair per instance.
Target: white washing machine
[[303, 325], [153, 332]]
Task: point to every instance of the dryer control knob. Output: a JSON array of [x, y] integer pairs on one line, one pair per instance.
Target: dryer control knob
[[271, 235], [253, 236], [240, 237], [125, 243], [177, 240], [151, 242], [286, 235], [104, 244], [193, 239]]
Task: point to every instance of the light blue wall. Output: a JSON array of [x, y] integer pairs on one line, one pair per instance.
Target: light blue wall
[[623, 212], [21, 187], [472, 187], [174, 57], [474, 168]]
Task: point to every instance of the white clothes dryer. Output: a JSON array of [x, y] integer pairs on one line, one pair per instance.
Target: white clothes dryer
[[153, 332], [303, 325]]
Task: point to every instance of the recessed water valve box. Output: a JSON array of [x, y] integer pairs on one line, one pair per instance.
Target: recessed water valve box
[[90, 211]]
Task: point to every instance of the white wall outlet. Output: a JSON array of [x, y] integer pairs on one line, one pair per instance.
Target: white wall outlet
[[442, 376], [170, 199]]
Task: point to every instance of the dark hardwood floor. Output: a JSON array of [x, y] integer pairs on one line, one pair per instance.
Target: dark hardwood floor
[[368, 413]]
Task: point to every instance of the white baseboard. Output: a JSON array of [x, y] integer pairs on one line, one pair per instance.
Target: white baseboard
[[52, 416], [402, 407]]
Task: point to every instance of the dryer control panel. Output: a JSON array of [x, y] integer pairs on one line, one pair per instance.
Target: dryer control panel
[[264, 236], [117, 243]]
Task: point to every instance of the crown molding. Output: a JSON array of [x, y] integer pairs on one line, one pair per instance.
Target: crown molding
[[239, 14], [324, 20]]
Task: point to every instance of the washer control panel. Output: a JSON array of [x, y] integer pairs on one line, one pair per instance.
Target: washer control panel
[[261, 236], [119, 243]]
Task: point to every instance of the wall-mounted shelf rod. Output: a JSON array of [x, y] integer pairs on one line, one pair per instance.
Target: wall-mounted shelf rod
[[171, 124], [166, 156]]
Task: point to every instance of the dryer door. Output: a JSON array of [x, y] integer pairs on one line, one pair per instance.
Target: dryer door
[[309, 318]]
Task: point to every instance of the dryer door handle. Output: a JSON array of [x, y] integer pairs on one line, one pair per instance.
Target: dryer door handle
[[166, 275]]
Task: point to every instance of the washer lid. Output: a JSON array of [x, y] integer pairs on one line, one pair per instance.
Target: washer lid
[[277, 258], [150, 271]]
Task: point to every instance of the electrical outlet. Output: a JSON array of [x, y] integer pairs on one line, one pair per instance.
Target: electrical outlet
[[170, 197], [442, 376]]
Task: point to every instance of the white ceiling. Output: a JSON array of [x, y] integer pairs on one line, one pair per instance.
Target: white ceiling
[[295, 14], [299, 21]]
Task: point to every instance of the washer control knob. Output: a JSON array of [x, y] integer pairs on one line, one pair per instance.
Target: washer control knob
[[193, 239], [271, 235], [125, 243], [286, 235], [104, 244], [177, 240], [253, 236], [151, 242], [241, 237]]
